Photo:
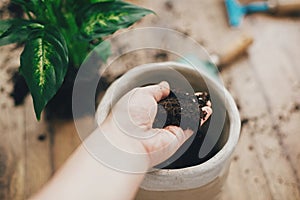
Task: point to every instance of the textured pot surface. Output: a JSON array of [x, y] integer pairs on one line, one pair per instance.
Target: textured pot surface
[[203, 181], [210, 191]]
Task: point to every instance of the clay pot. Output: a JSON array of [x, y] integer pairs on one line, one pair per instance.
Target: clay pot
[[202, 181]]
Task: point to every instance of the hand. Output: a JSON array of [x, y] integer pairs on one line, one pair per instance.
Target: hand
[[131, 122], [128, 127]]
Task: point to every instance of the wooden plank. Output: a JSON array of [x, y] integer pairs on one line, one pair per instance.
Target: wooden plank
[[261, 108], [64, 141], [24, 159], [12, 132], [279, 76], [38, 154], [247, 178], [12, 159], [290, 130]]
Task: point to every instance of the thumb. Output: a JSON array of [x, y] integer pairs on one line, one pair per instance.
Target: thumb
[[159, 91]]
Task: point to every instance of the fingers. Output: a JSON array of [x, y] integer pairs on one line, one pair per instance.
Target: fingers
[[165, 143], [158, 91], [208, 111], [180, 135]]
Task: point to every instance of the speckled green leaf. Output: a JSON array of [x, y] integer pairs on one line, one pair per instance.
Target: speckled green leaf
[[16, 30], [44, 64], [104, 18]]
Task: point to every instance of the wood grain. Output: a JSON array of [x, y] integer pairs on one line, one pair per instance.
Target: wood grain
[[38, 164], [65, 140], [12, 134]]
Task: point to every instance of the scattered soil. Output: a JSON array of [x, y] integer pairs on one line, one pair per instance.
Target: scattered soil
[[236, 158], [184, 109], [275, 127], [161, 56], [169, 5], [42, 137], [244, 122], [15, 10], [20, 90], [250, 148], [296, 107]]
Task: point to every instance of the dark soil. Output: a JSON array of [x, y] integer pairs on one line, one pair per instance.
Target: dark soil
[[244, 122], [171, 107], [184, 110], [20, 90], [296, 107], [15, 10]]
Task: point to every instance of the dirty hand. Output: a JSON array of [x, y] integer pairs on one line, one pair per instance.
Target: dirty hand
[[129, 125]]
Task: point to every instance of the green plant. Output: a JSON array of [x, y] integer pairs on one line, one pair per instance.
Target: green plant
[[59, 34]]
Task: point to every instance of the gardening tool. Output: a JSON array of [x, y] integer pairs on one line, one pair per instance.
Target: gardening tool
[[224, 57], [236, 11], [231, 52]]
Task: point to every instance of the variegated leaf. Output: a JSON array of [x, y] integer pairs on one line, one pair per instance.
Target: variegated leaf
[[44, 64], [104, 18], [17, 30]]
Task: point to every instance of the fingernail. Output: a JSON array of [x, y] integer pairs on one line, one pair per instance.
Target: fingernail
[[189, 132], [164, 85]]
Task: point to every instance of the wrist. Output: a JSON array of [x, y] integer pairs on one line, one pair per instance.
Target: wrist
[[117, 150]]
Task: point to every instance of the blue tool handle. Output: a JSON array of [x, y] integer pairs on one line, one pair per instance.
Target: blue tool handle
[[256, 7]]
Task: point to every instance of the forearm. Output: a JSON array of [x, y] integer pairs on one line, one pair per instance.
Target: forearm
[[83, 177]]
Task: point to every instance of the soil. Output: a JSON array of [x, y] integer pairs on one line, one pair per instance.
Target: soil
[[20, 90], [187, 112], [175, 111]]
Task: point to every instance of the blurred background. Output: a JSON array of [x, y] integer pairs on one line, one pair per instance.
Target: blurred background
[[264, 80]]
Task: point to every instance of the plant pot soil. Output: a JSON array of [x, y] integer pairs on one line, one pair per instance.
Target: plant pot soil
[[171, 111], [199, 181], [176, 110]]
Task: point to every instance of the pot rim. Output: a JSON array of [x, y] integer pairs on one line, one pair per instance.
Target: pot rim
[[204, 173]]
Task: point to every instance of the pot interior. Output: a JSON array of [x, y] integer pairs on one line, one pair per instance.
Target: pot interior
[[213, 135]]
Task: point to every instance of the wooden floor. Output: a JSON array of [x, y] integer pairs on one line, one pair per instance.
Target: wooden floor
[[265, 84]]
